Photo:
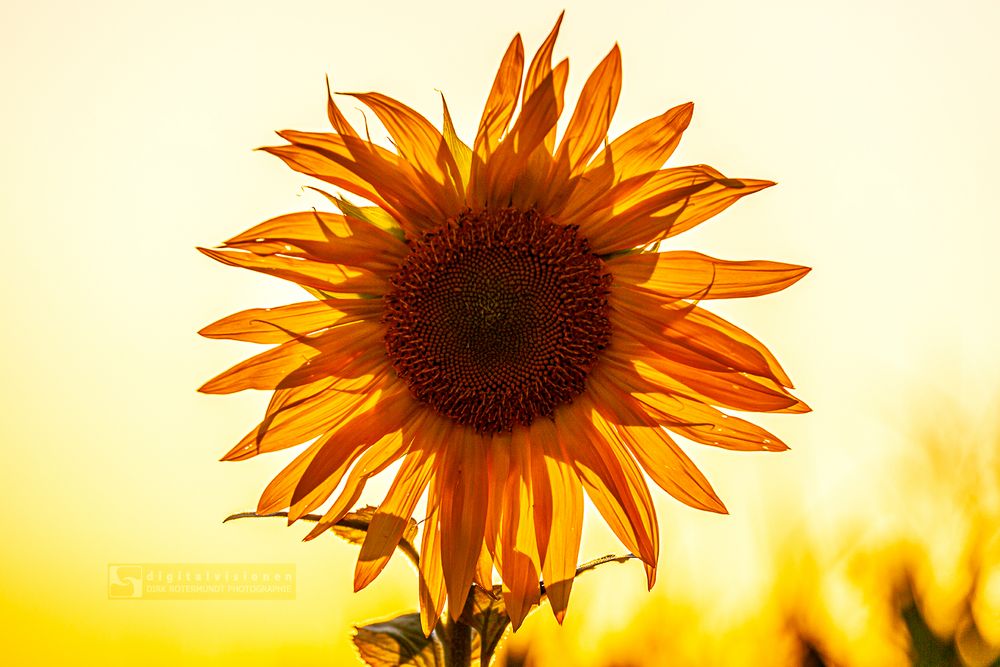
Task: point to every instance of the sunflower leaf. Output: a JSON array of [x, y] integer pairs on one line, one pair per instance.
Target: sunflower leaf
[[398, 642], [486, 613]]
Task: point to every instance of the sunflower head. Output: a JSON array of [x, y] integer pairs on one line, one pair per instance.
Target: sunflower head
[[500, 317]]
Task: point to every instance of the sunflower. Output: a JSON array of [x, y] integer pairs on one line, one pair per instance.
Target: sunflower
[[499, 320]]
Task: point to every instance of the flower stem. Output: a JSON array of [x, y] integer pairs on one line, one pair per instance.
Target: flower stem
[[459, 644]]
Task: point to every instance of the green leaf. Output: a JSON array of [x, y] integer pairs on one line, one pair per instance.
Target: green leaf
[[486, 614], [399, 642]]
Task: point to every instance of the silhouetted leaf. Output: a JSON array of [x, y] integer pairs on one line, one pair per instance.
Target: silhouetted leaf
[[399, 642], [487, 615]]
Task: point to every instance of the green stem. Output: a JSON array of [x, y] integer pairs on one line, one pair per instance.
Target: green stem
[[459, 644]]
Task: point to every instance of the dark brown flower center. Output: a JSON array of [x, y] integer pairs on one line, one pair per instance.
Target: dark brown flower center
[[497, 318]]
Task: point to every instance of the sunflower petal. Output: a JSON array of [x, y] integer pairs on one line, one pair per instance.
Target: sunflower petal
[[521, 569], [422, 146], [460, 151], [297, 414], [393, 515], [332, 278], [683, 274], [431, 587], [463, 514], [497, 114], [704, 424], [588, 126], [563, 545], [284, 323], [539, 70], [661, 458], [611, 478]]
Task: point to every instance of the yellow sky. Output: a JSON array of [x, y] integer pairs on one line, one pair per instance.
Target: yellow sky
[[128, 129]]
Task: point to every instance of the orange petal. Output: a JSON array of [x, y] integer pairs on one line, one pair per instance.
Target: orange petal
[[661, 458], [539, 70], [431, 587], [647, 372], [503, 169], [393, 514], [684, 274], [463, 514], [361, 431], [611, 478], [484, 569], [333, 278], [521, 569], [704, 424], [270, 369], [691, 335], [423, 147], [284, 323], [669, 335], [588, 126], [563, 545], [321, 165], [297, 414], [497, 114], [674, 211], [460, 152], [278, 494], [647, 146], [377, 458], [639, 152], [324, 237], [398, 189], [499, 466]]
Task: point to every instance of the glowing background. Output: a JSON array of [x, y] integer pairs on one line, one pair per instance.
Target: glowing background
[[127, 136]]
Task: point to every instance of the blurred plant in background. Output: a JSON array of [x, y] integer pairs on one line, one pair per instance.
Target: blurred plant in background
[[913, 579]]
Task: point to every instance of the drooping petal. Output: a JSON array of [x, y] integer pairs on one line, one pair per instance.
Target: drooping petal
[[463, 513], [376, 458], [431, 586], [611, 478], [393, 515], [563, 543], [521, 568], [297, 414], [661, 458], [317, 481]]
